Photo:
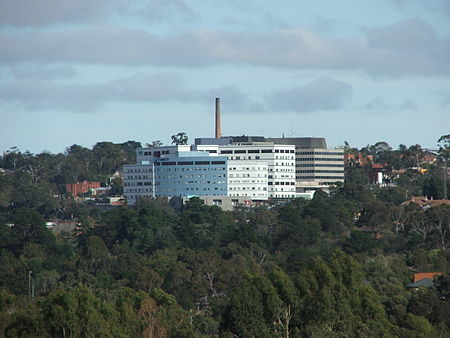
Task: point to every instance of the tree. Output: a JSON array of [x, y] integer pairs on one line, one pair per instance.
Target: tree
[[444, 146], [253, 308], [156, 143], [180, 138], [439, 218]]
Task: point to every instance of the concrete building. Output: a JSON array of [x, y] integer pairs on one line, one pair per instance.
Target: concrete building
[[175, 171], [178, 171], [316, 166], [250, 168], [279, 159]]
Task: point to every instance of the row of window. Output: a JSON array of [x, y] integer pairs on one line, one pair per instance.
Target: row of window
[[248, 188], [138, 170], [246, 168], [320, 171], [155, 153], [189, 169], [247, 175], [257, 151], [321, 177], [171, 183], [172, 163], [131, 184], [320, 159], [188, 176], [331, 165], [318, 153], [281, 183], [136, 177]]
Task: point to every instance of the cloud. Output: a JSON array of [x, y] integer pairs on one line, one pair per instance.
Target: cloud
[[138, 88], [378, 105], [32, 13], [406, 48], [44, 12], [409, 104], [161, 10], [33, 95], [321, 94], [42, 72], [234, 101], [444, 97]]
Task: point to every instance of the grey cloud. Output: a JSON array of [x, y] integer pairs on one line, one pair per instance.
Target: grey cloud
[[377, 105], [160, 87], [409, 104], [34, 95], [42, 72], [44, 12], [409, 35], [321, 94], [406, 48], [163, 10], [444, 97], [234, 101], [34, 13]]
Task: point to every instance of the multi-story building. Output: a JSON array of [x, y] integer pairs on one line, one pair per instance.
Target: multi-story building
[[175, 171], [316, 166], [279, 159], [178, 171], [254, 168]]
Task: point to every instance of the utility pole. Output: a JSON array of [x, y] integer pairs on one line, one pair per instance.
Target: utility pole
[[445, 178], [29, 283]]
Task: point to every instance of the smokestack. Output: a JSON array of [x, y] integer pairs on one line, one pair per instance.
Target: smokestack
[[218, 128]]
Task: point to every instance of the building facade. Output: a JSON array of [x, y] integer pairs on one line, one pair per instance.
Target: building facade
[[316, 166], [250, 168]]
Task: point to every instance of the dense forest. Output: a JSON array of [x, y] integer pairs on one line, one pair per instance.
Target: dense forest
[[333, 266]]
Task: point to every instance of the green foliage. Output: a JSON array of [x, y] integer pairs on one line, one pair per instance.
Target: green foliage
[[301, 269]]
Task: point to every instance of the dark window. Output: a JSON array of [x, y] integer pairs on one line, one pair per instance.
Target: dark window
[[253, 151], [202, 162], [218, 162], [185, 163], [226, 152], [265, 151], [240, 151]]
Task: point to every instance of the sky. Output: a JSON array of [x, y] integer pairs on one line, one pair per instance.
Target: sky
[[356, 71]]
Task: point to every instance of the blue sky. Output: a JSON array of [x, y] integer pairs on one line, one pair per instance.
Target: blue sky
[[80, 72]]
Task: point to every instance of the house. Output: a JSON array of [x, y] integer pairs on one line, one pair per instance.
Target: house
[[424, 202], [81, 187], [423, 279]]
